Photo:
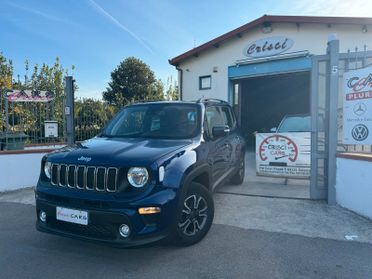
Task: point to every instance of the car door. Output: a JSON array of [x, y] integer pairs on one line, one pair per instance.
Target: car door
[[233, 139], [218, 156]]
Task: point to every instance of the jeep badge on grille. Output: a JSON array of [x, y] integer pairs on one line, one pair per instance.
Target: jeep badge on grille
[[85, 159]]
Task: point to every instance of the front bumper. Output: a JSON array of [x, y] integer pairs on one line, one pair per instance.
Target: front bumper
[[104, 221]]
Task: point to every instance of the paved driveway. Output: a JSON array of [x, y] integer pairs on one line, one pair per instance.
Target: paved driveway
[[228, 251]]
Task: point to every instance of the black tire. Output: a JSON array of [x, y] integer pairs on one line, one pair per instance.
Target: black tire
[[238, 177], [194, 215]]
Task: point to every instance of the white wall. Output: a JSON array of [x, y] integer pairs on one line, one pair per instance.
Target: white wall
[[19, 170], [310, 37], [354, 185]]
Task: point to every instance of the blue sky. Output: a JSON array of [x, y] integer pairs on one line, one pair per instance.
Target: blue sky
[[95, 35]]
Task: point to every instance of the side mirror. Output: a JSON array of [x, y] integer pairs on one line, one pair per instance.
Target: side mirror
[[273, 130], [220, 131]]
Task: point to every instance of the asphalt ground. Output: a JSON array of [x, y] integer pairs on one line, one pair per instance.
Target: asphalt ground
[[226, 252]]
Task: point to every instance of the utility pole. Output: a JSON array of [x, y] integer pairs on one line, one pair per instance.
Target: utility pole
[[333, 51]]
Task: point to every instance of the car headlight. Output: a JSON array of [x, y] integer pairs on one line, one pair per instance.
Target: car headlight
[[138, 176], [47, 169]]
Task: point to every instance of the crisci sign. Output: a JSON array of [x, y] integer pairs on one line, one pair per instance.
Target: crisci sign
[[283, 154], [268, 46]]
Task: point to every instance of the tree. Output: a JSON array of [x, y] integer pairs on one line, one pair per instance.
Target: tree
[[172, 90], [90, 116], [28, 117], [131, 81]]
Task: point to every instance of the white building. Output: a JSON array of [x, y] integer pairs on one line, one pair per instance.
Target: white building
[[279, 65], [309, 35]]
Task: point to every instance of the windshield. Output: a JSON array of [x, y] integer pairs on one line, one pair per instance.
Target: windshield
[[167, 121], [298, 123]]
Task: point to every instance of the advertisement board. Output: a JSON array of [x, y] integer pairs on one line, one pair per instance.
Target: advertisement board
[[283, 154], [35, 96], [357, 108]]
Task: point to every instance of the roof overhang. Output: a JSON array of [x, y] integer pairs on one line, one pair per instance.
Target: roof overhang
[[215, 43]]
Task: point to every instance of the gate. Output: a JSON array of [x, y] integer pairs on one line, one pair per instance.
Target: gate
[[326, 114]]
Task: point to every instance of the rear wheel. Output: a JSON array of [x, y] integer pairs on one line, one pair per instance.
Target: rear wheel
[[238, 178], [194, 216]]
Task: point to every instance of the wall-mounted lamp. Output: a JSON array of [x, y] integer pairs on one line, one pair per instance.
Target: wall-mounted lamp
[[364, 29], [266, 28], [215, 69]]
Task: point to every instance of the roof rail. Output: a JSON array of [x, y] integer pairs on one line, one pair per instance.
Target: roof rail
[[214, 100], [200, 100]]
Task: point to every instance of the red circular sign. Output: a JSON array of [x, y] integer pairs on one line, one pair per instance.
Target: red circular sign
[[278, 147]]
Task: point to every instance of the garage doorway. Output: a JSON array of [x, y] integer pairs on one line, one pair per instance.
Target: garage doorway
[[261, 103]]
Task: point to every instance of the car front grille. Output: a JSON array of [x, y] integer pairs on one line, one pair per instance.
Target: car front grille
[[103, 179], [106, 232]]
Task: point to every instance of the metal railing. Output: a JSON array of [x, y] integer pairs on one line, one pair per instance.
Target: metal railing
[[23, 123]]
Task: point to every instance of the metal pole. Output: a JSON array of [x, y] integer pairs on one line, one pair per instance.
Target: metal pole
[[69, 111], [6, 114], [333, 49], [6, 120]]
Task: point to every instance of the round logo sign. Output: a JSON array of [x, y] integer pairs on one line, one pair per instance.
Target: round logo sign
[[360, 132], [278, 148], [359, 109]]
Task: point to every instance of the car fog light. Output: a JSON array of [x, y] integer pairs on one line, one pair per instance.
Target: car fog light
[[148, 210], [124, 230], [42, 216]]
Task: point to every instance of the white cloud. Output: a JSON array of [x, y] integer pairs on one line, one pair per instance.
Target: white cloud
[[120, 25], [39, 13]]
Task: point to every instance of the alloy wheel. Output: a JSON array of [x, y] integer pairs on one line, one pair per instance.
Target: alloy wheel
[[194, 215]]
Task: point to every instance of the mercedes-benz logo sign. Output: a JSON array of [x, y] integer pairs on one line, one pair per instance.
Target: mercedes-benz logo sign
[[360, 108], [360, 132]]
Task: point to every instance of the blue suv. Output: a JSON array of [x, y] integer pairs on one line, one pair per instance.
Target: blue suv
[[150, 174]]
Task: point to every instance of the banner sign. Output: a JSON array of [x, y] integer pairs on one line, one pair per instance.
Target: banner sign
[[357, 109], [29, 96], [283, 154], [268, 47]]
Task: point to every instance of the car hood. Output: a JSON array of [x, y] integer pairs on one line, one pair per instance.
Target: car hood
[[117, 151]]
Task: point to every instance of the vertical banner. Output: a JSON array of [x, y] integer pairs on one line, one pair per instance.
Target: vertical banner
[[283, 154], [357, 109]]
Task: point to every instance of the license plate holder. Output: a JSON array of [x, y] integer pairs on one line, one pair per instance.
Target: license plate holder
[[72, 215]]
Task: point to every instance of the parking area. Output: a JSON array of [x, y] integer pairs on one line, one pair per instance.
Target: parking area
[[226, 251], [254, 185], [251, 237]]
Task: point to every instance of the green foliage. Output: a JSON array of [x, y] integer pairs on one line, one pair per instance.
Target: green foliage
[[6, 72], [132, 81], [91, 116], [171, 90], [29, 117]]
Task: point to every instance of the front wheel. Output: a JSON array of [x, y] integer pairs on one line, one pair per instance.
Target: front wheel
[[194, 216]]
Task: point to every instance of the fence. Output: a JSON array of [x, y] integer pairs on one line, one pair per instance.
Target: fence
[[24, 122]]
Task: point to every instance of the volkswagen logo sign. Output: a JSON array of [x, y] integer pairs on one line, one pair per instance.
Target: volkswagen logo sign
[[360, 132]]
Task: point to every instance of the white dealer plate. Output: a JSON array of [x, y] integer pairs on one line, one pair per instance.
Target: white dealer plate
[[72, 215]]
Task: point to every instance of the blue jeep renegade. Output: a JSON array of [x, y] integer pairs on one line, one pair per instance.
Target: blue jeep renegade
[[150, 174]]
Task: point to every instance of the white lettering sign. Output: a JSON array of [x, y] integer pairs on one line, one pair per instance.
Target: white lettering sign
[[357, 109], [268, 47]]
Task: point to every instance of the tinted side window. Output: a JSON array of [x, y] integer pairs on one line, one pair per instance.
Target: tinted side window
[[213, 118], [227, 117]]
